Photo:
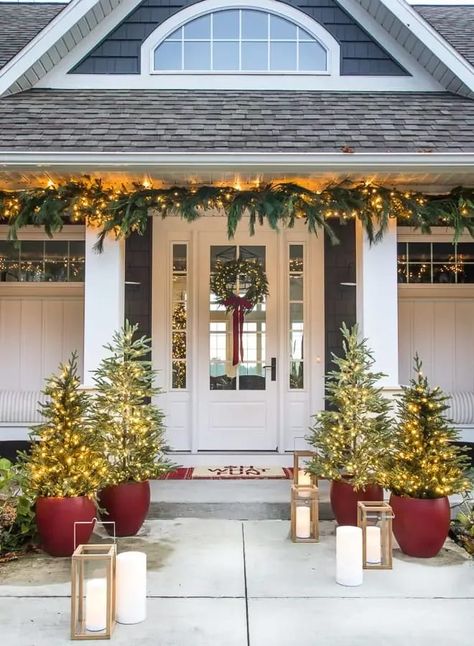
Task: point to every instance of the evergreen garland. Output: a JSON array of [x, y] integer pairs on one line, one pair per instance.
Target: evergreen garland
[[66, 458], [353, 439], [122, 211], [250, 274], [130, 427], [426, 463]]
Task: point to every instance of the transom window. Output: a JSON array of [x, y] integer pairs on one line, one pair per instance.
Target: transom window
[[435, 262], [240, 40]]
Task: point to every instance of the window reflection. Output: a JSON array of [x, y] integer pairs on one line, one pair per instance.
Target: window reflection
[[42, 261], [296, 316], [435, 262]]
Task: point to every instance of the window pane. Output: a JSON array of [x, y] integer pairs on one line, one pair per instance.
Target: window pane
[[31, 261], [77, 251], [179, 318], [466, 274], [283, 56], [465, 252], [419, 273], [443, 251], [444, 273], [296, 315], [254, 56], [198, 28], [312, 57], [168, 56], [197, 56], [254, 24], [226, 24], [296, 288], [176, 35], [226, 56], [251, 376], [178, 379], [402, 272], [56, 261], [281, 28], [179, 345], [222, 254], [9, 261], [222, 377], [304, 35], [179, 257], [296, 375], [419, 251], [179, 287]]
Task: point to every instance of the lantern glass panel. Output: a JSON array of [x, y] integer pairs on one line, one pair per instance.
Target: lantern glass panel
[[304, 514], [300, 462], [375, 520], [93, 592]]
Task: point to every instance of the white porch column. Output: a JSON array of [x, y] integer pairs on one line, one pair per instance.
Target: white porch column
[[104, 296], [377, 300]]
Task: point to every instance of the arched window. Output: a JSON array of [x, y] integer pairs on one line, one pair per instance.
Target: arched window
[[240, 41]]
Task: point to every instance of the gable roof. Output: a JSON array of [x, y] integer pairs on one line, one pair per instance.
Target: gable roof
[[235, 121], [455, 23], [80, 17], [20, 23]]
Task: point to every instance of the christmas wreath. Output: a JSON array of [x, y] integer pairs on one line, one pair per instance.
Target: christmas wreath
[[251, 277]]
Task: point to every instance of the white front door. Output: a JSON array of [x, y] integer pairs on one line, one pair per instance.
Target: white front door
[[211, 405], [237, 404]]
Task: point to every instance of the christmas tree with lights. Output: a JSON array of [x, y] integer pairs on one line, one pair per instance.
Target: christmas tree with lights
[[426, 463], [65, 458], [352, 439], [130, 426]]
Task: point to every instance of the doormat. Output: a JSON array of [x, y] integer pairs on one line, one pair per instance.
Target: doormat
[[230, 472]]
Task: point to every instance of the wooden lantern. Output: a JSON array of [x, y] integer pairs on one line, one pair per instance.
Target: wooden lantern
[[304, 514], [300, 477], [93, 591], [375, 520]]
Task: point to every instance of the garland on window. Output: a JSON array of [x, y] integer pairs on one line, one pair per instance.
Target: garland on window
[[122, 211]]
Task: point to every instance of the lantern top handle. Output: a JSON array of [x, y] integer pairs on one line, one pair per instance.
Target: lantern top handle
[[94, 522]]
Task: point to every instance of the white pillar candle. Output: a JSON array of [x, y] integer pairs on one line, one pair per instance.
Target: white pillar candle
[[303, 522], [96, 604], [304, 478], [373, 545], [349, 555], [131, 587]]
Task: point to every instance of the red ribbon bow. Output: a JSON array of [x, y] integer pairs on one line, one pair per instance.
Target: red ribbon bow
[[239, 306]]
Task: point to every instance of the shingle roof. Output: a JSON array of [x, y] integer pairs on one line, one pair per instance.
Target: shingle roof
[[20, 22], [226, 120], [455, 23]]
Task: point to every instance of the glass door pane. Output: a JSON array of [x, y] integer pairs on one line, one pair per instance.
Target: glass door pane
[[250, 373]]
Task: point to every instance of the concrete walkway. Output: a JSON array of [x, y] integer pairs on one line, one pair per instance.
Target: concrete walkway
[[233, 583]]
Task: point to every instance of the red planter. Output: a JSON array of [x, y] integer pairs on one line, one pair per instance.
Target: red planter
[[127, 504], [344, 500], [420, 525], [55, 518]]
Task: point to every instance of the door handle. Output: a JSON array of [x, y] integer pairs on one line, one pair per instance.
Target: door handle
[[273, 368]]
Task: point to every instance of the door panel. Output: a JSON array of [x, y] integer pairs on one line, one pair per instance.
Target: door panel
[[237, 404]]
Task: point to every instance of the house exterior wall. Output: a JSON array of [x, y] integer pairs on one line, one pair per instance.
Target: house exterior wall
[[138, 287], [339, 300], [119, 51]]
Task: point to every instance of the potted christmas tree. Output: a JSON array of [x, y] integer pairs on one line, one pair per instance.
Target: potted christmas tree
[[427, 468], [352, 439], [131, 429], [65, 468]]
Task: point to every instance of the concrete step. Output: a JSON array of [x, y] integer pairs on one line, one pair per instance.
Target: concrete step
[[228, 499]]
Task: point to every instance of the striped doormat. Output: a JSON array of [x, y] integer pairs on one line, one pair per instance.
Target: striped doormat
[[230, 472]]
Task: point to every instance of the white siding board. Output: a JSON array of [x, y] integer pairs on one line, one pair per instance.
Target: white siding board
[[31, 326], [464, 351], [53, 326], [10, 335], [444, 344]]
